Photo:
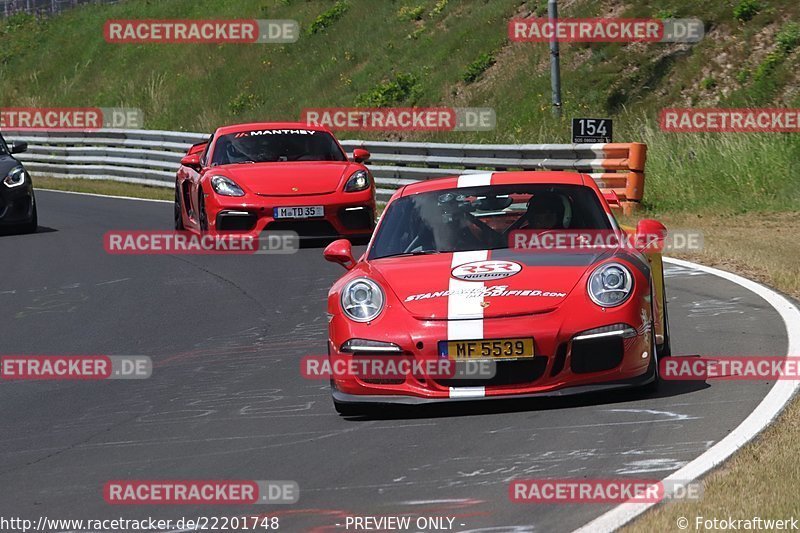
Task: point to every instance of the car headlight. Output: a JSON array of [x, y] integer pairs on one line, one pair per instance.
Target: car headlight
[[225, 186], [357, 182], [15, 177], [369, 346], [610, 285], [614, 330], [362, 300]]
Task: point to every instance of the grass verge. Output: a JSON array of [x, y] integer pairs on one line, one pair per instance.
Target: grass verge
[[761, 479], [107, 187]]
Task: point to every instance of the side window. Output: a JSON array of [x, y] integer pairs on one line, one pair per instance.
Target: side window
[[204, 157]]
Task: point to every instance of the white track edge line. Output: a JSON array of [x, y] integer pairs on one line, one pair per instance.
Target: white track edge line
[[106, 196], [761, 417]]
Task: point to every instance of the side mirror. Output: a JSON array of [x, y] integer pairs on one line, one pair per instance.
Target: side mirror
[[17, 147], [360, 155], [650, 235], [192, 161], [341, 252]]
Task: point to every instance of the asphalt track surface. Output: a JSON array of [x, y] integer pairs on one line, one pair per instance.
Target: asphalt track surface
[[227, 400]]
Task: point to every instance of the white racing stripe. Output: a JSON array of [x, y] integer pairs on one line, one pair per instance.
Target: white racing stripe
[[474, 180], [465, 315], [467, 392]]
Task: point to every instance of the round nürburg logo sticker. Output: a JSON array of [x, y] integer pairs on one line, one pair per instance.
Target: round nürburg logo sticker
[[486, 270]]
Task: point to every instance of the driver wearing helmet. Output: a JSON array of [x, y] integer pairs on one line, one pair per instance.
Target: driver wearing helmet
[[545, 212]]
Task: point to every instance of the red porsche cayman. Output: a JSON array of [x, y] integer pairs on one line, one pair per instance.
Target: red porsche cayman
[[275, 176], [442, 281]]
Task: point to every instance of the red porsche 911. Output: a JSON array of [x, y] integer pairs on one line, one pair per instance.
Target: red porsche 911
[[275, 176], [442, 280]]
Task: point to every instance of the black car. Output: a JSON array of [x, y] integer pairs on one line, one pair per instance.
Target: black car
[[17, 201]]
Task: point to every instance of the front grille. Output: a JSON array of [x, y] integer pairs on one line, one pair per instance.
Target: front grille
[[383, 381], [357, 218], [305, 228], [21, 207], [16, 209], [236, 222], [388, 379], [596, 355], [520, 372]]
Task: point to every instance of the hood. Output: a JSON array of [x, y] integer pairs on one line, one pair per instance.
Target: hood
[[296, 178], [7, 162], [437, 287]]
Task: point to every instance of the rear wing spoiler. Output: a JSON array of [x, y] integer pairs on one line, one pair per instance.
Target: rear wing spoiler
[[612, 199], [197, 148]]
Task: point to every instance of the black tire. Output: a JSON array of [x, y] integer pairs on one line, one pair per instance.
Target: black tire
[[652, 368], [33, 224], [665, 350], [178, 210], [202, 216], [654, 385]]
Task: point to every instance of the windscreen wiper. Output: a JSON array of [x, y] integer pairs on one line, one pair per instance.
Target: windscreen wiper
[[417, 252]]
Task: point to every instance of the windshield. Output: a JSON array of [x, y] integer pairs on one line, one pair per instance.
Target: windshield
[[482, 218], [275, 145]]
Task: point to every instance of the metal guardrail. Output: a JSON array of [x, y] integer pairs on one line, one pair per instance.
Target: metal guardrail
[[44, 7], [152, 157]]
